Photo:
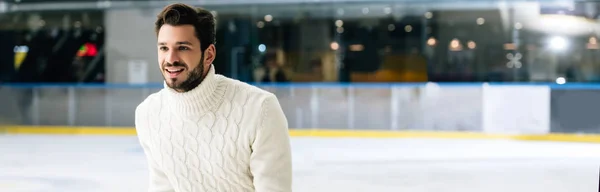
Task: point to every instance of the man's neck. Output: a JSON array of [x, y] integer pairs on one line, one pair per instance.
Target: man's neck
[[205, 95]]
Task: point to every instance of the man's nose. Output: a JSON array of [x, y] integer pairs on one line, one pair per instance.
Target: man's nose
[[172, 57]]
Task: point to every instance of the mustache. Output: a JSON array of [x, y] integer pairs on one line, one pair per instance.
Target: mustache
[[174, 64]]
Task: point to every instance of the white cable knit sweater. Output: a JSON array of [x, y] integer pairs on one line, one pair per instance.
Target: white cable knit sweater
[[224, 135]]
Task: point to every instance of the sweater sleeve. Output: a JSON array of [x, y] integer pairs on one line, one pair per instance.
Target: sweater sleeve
[[271, 161], [157, 179]]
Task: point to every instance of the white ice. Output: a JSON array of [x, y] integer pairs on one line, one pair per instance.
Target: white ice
[[32, 163]]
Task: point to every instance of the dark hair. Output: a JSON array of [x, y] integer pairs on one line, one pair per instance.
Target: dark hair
[[182, 14]]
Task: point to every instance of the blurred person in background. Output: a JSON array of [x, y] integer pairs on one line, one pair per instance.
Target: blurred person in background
[[273, 71], [204, 131], [30, 69]]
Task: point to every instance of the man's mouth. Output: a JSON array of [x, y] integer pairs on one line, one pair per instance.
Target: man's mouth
[[174, 72]]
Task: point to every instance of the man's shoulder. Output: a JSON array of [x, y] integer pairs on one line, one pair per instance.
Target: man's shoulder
[[252, 92], [246, 87], [148, 102]]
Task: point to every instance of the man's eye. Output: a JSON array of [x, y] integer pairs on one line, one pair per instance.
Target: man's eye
[[183, 48], [163, 48]]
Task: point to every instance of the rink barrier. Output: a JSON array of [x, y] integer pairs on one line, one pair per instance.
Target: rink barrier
[[325, 133], [491, 108]]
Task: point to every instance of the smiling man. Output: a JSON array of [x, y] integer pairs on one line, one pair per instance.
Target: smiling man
[[204, 131]]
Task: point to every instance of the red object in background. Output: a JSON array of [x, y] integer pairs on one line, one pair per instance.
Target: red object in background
[[87, 50]]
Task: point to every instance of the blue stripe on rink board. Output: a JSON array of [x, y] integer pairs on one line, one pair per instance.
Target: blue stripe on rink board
[[575, 86], [299, 85]]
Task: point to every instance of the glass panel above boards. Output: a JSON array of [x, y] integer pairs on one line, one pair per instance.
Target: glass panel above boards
[[384, 41], [413, 42], [52, 46]]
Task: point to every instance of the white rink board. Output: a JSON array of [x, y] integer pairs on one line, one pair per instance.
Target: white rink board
[[32, 163], [516, 109]]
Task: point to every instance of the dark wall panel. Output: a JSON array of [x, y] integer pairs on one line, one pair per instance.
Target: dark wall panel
[[575, 111]]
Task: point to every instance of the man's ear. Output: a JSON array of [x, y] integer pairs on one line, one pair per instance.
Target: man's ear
[[209, 55]]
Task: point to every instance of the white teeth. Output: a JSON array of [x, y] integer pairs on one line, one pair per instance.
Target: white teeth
[[174, 70]]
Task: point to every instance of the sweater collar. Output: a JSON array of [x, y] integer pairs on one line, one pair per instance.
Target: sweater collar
[[200, 99]]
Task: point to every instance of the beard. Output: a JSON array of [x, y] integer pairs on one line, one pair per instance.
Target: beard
[[194, 76]]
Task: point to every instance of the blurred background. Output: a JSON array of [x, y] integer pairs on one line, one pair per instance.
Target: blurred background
[[488, 67], [89, 41]]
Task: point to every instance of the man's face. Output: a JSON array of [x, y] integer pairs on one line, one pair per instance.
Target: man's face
[[180, 59]]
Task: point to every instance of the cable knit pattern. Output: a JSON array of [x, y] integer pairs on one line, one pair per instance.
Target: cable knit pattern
[[224, 135]]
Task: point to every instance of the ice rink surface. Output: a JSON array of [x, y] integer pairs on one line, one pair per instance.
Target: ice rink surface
[[36, 163]]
